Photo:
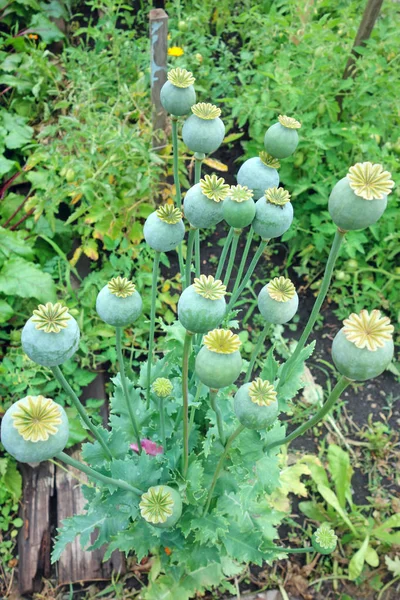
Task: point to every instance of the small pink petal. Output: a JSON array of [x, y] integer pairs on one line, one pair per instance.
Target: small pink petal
[[149, 447]]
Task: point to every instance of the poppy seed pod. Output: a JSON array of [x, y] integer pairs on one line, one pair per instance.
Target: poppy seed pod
[[202, 305], [259, 174], [203, 202], [203, 131], [218, 364], [324, 540], [281, 139], [118, 303], [34, 429], [161, 506], [359, 199], [239, 208], [363, 348], [256, 405], [274, 214], [177, 94], [51, 336], [164, 228], [278, 301]]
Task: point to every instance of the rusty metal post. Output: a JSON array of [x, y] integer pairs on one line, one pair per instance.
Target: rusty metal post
[[158, 19]]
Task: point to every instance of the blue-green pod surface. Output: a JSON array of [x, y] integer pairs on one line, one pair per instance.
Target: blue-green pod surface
[[253, 415], [281, 139], [239, 215], [272, 220], [349, 211], [257, 176], [161, 235], [55, 430], [217, 370], [50, 348], [360, 364], [177, 101], [203, 131], [118, 310], [201, 211], [198, 314], [161, 506], [278, 301]]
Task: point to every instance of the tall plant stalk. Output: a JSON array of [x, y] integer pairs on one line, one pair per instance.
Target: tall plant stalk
[[198, 161], [178, 194], [220, 464], [77, 464], [81, 409], [249, 273], [217, 410], [125, 387], [288, 366], [256, 350], [156, 263], [335, 394], [232, 256], [189, 254], [162, 424], [185, 395], [243, 261], [224, 253]]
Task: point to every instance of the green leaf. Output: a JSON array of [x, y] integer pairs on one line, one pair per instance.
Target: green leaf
[[357, 562], [24, 279], [82, 525], [47, 30], [268, 473], [12, 242], [243, 545], [138, 538], [393, 565], [331, 498], [12, 479], [270, 368], [313, 511], [341, 472], [6, 165], [371, 557], [292, 385], [6, 311], [210, 528]]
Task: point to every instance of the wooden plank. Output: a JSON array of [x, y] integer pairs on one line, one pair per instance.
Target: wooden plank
[[34, 536], [158, 29], [76, 564]]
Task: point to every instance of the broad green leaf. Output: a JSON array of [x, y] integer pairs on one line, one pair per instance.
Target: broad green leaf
[[12, 242], [313, 511], [6, 311], [270, 368], [295, 382], [371, 557], [341, 472], [12, 479], [331, 498], [393, 565], [82, 525], [24, 279], [6, 165], [357, 562], [244, 546], [317, 471]]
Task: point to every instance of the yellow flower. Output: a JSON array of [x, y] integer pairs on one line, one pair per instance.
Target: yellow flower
[[175, 51]]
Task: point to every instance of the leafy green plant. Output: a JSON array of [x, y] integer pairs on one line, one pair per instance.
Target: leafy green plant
[[185, 470], [363, 534], [10, 493]]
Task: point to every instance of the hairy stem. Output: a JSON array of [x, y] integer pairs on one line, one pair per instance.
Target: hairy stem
[[125, 387], [185, 395], [232, 256], [220, 464], [178, 194], [189, 254], [288, 366], [261, 337], [80, 408], [249, 273], [198, 161], [335, 394], [197, 259], [162, 423], [95, 474], [243, 261], [224, 253], [156, 263], [289, 550], [217, 410]]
